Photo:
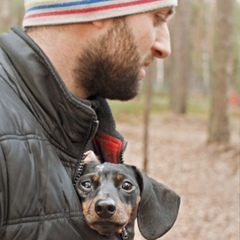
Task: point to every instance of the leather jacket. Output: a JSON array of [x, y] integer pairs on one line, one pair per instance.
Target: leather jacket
[[44, 131]]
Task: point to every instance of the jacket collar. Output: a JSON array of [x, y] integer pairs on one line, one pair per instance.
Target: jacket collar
[[69, 121]]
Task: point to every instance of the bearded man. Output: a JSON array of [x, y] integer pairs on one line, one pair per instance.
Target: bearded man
[[55, 76]]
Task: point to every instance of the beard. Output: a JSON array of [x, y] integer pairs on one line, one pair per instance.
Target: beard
[[110, 66]]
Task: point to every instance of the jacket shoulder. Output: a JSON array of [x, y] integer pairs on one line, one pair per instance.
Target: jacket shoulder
[[15, 118]]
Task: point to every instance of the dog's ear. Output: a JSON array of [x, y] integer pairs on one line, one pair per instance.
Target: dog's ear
[[158, 208]]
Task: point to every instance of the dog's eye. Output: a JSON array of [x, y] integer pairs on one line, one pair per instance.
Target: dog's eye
[[127, 186], [86, 184]]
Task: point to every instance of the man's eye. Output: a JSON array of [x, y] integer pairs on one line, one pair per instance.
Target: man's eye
[[127, 186], [87, 184]]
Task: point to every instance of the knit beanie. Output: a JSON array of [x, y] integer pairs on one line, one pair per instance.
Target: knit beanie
[[53, 12]]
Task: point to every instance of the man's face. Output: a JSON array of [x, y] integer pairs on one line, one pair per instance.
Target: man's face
[[110, 66]]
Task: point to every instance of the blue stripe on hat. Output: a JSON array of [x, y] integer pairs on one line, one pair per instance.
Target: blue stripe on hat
[[70, 4]]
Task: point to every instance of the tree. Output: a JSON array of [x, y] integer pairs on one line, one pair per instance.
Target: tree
[[181, 63], [11, 13], [151, 77], [221, 72]]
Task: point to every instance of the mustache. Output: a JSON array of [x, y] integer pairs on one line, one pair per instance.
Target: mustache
[[148, 60]]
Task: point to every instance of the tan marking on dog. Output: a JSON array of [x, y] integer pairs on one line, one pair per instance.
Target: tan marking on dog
[[89, 212], [134, 210], [119, 231], [122, 215], [95, 178], [119, 177]]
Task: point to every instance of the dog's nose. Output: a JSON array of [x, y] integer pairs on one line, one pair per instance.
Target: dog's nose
[[105, 208]]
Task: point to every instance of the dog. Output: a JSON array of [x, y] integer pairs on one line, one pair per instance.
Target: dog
[[114, 195]]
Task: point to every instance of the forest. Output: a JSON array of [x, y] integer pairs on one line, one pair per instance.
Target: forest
[[205, 59], [184, 127]]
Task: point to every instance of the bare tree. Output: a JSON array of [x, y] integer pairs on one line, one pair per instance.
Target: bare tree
[[206, 44], [221, 72], [151, 77], [11, 13], [181, 59]]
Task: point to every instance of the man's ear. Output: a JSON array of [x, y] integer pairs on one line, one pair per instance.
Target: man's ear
[[158, 208]]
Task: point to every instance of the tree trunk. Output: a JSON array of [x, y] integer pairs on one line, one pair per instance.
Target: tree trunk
[[151, 76], [181, 58], [221, 72], [11, 13]]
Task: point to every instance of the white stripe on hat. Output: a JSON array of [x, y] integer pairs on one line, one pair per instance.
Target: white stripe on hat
[[53, 12]]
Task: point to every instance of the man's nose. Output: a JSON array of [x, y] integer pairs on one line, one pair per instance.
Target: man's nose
[[162, 46]]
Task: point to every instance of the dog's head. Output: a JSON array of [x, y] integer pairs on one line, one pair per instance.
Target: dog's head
[[113, 195]]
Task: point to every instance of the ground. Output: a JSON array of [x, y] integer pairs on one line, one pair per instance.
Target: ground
[[205, 176]]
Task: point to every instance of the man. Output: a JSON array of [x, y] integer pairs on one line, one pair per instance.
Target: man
[[54, 79]]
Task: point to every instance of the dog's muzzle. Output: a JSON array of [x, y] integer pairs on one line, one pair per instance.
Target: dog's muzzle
[[105, 208]]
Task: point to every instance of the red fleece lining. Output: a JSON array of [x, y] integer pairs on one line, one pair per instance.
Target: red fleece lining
[[107, 147]]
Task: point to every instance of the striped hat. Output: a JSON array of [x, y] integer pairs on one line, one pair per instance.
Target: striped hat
[[52, 12]]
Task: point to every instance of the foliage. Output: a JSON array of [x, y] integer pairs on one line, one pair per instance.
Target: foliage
[[160, 103], [197, 106]]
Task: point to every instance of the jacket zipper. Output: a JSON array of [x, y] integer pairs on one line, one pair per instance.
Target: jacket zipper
[[79, 170]]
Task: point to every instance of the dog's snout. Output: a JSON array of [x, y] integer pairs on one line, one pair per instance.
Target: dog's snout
[[105, 208]]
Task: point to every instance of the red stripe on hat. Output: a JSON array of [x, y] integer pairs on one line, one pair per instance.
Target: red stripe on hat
[[88, 10]]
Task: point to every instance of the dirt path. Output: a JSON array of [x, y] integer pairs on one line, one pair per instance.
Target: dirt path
[[206, 177]]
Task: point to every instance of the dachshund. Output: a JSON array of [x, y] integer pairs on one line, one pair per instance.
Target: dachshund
[[114, 195]]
